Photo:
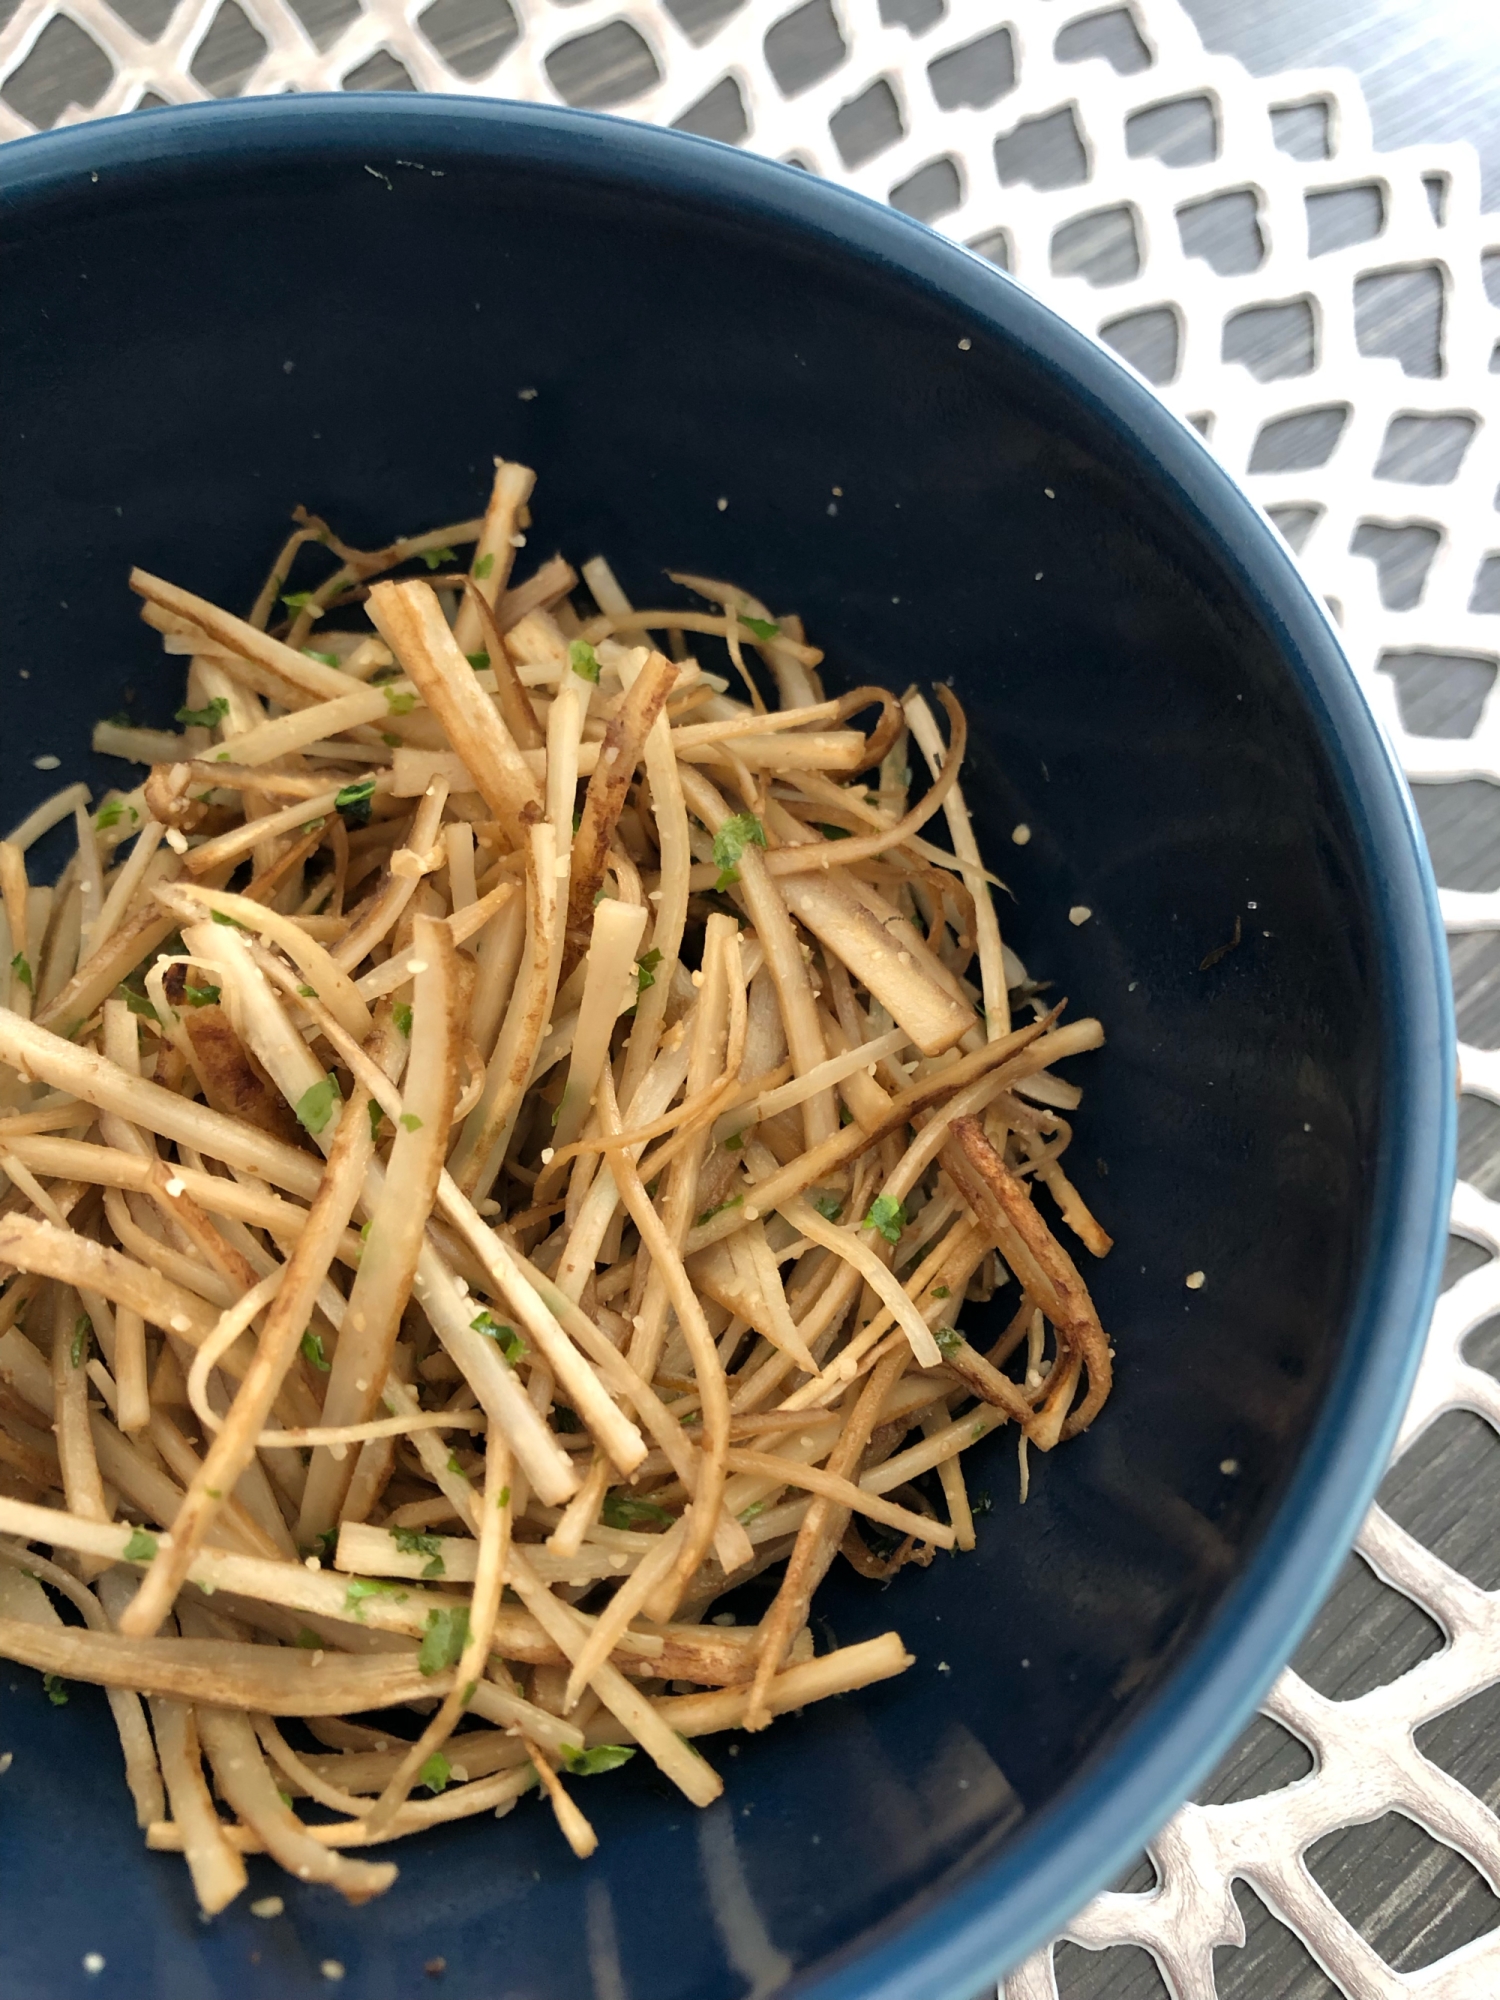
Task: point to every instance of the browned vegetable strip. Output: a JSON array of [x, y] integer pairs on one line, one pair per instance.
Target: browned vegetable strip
[[245, 1782], [818, 1538], [218, 1871], [411, 622], [494, 552], [620, 752], [393, 1242], [280, 1337], [82, 1485], [1001, 1202], [280, 1680], [516, 710]]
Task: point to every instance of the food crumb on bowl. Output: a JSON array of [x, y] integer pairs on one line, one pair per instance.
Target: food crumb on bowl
[[1229, 1467], [1021, 834], [46, 762], [1195, 1281], [332, 1968], [267, 1906], [93, 1961], [1079, 914]]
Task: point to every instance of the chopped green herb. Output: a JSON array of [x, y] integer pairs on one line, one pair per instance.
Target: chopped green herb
[[949, 1341], [620, 1512], [762, 628], [229, 923], [308, 992], [141, 1548], [82, 1328], [502, 1498], [57, 1694], [981, 1503], [436, 1772], [411, 1543], [829, 1206], [455, 1467], [435, 558], [444, 1640], [735, 1142], [583, 660], [297, 600], [510, 1343], [833, 832], [390, 742], [887, 1217], [376, 1114], [309, 1640], [205, 718], [942, 1292], [645, 969], [737, 833], [312, 1350], [200, 996], [400, 701], [709, 1213], [323, 659], [598, 1757], [361, 1587], [478, 661], [401, 1015], [315, 1106], [139, 1004], [748, 1514], [20, 966], [327, 1542], [410, 1121], [109, 814], [353, 802], [482, 568]]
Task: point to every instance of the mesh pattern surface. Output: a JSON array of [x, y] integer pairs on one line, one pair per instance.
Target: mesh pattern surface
[[1320, 312]]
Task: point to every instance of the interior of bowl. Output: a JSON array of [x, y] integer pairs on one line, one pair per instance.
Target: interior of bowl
[[209, 318]]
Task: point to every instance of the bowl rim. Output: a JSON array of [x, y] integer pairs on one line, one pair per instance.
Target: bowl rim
[[960, 1934]]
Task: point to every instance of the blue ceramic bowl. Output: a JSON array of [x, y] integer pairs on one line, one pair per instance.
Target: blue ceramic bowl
[[209, 315]]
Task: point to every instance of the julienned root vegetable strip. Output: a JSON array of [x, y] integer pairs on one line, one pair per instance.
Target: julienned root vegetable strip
[[495, 1135]]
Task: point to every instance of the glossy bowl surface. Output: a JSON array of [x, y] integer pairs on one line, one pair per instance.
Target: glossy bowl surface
[[726, 366]]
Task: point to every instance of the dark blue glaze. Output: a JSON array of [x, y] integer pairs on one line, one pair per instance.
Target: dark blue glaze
[[209, 315]]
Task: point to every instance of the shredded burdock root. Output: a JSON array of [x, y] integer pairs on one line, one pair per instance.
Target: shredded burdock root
[[495, 1134]]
